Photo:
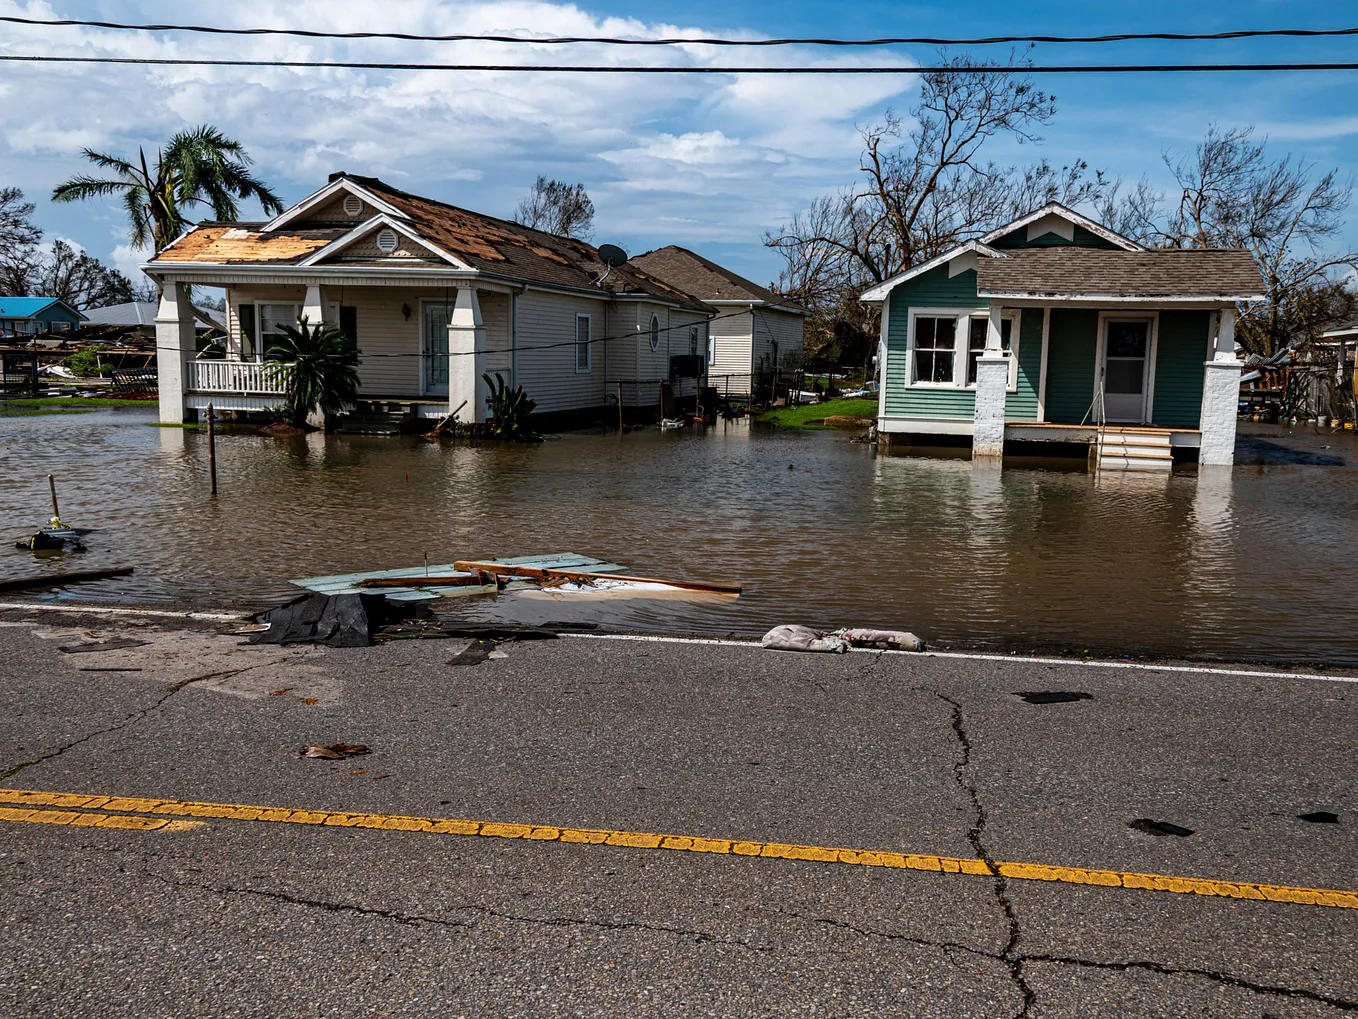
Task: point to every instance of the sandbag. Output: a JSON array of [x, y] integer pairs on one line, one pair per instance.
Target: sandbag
[[802, 638], [882, 640]]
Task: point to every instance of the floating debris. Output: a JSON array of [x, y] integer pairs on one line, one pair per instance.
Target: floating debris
[[791, 637], [61, 579]]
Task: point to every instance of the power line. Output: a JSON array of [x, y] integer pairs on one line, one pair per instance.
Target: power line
[[640, 69], [1300, 33]]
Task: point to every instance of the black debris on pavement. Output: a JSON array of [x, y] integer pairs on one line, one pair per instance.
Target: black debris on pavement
[[1159, 828], [1319, 817], [117, 644], [1054, 696]]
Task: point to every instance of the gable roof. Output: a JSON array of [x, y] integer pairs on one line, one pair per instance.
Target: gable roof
[[27, 307], [472, 241], [1070, 215], [1178, 274], [707, 280], [879, 293]]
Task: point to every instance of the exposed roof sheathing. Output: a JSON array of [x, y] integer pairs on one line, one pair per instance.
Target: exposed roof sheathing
[[705, 279], [485, 243], [1076, 271]]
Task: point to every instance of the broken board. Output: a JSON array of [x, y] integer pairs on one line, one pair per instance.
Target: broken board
[[347, 583]]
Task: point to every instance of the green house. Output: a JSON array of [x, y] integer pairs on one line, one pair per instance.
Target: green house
[[1054, 328]]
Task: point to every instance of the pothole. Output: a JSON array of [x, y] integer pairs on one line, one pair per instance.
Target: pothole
[[1159, 828], [1054, 696], [1319, 817]]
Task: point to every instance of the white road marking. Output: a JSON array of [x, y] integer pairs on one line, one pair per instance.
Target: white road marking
[[214, 617]]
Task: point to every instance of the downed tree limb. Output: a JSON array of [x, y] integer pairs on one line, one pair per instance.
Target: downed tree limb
[[61, 579], [586, 576]]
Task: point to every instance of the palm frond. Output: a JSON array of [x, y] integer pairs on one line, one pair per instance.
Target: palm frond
[[80, 187]]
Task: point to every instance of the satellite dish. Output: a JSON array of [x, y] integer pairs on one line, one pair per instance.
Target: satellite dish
[[612, 255]]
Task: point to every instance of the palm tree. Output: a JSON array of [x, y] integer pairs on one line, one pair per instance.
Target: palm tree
[[198, 167], [320, 365]]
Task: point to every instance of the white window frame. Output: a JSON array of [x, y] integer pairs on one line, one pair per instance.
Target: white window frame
[[588, 345], [693, 340], [261, 348], [653, 335], [1153, 316], [1013, 316], [961, 346]]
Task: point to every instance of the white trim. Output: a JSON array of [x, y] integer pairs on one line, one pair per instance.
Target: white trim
[[1340, 332], [589, 348], [325, 193], [883, 346], [367, 227], [903, 423], [1148, 379], [960, 340], [1150, 300], [1042, 371], [424, 394], [1057, 209], [874, 295], [1051, 223], [1014, 316]]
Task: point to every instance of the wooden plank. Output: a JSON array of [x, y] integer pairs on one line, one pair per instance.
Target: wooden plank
[[448, 580], [62, 579], [543, 573]]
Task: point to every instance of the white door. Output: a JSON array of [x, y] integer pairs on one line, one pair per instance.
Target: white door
[[1126, 370], [434, 350]]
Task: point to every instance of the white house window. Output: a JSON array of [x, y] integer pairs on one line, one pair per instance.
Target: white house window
[[655, 333], [935, 349], [582, 343], [693, 339], [386, 241], [711, 349], [977, 337], [261, 327]]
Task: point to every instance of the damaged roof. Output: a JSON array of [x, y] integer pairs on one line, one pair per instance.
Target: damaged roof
[[1072, 272], [705, 279], [485, 243]]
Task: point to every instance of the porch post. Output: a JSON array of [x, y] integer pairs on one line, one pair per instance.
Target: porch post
[[992, 385], [467, 358], [1220, 396], [174, 351], [313, 306]]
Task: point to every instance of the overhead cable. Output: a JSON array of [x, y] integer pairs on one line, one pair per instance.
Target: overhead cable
[[696, 40], [373, 65]]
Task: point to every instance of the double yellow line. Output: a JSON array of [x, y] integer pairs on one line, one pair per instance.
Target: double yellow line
[[91, 811]]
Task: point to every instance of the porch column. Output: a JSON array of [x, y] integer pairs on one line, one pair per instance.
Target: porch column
[[1220, 396], [467, 358], [313, 306], [992, 385], [174, 351]]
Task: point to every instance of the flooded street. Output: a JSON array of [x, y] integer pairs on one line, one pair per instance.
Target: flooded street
[[1252, 563]]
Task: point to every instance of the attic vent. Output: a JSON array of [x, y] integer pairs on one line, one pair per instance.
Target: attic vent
[[386, 241], [352, 205]]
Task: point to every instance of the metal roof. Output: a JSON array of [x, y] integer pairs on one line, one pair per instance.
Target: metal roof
[[27, 307]]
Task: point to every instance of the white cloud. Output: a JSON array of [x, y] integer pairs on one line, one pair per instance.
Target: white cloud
[[727, 156], [128, 260]]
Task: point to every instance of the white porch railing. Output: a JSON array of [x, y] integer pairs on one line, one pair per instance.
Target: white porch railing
[[235, 377]]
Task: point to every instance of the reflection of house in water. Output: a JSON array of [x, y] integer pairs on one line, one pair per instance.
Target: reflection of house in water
[[1053, 330]]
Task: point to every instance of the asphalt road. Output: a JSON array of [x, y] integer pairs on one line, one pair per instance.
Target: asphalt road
[[343, 912]]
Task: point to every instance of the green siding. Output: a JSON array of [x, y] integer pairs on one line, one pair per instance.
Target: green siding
[[1083, 239], [1180, 351], [933, 289], [1071, 343], [1022, 404]]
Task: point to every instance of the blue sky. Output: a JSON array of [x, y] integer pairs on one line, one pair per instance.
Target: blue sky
[[710, 164]]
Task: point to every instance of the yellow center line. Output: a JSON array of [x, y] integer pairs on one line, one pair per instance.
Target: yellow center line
[[74, 809]]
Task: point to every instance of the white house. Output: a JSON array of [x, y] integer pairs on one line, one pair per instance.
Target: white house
[[434, 296], [755, 330]]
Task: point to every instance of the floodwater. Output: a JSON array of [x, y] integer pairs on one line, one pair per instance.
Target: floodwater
[[1252, 563]]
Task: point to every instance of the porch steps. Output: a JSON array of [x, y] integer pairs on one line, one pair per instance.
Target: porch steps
[[1135, 449]]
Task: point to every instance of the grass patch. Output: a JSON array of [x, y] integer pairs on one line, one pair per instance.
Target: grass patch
[[801, 417], [65, 405]]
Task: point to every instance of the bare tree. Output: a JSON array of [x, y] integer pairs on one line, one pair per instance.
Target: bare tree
[[19, 237], [925, 187], [1284, 211], [557, 208]]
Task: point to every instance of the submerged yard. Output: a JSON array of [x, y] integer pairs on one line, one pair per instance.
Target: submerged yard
[[1253, 562]]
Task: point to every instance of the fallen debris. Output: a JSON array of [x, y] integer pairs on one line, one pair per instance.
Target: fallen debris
[[342, 620], [548, 573], [334, 752], [791, 637], [62, 579], [1159, 828], [474, 653], [117, 644], [1054, 696], [1319, 817]]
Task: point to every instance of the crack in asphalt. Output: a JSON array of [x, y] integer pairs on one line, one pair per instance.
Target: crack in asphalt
[[1010, 955], [131, 719], [1343, 1004], [872, 932], [416, 919]]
